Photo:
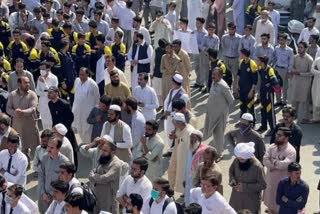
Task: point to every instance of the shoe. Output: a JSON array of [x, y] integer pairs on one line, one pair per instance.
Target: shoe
[[262, 129], [258, 101], [167, 154], [268, 133], [196, 86]]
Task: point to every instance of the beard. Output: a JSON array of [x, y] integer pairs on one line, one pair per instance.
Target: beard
[[44, 146], [111, 120], [278, 143], [115, 83], [104, 159], [246, 165]]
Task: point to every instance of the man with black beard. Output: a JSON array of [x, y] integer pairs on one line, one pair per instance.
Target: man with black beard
[[120, 132], [117, 88], [277, 158], [247, 179], [104, 178], [245, 133]]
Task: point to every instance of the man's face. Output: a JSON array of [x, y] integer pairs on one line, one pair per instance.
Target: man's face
[[103, 107], [19, 67], [52, 95], [247, 31], [287, 118], [149, 131], [109, 62], [12, 147], [295, 175], [310, 23], [176, 47], [264, 40], [135, 24], [207, 159], [198, 25], [115, 79], [183, 25], [105, 149], [280, 138], [112, 117], [63, 175], [114, 24], [117, 38], [70, 209], [83, 76], [232, 31], [25, 84], [211, 31], [207, 188], [264, 16], [141, 81], [38, 15], [135, 171], [44, 48], [282, 41], [57, 195], [168, 49], [96, 17], [216, 76], [11, 194], [52, 148], [301, 49], [44, 142], [79, 17]]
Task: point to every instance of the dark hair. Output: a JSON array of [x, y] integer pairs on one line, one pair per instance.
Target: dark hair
[[97, 12], [66, 16], [113, 59], [117, 101], [304, 44], [67, 25], [100, 38], [74, 199], [105, 100], [212, 152], [16, 31], [213, 53], [154, 124], [17, 189], [119, 33], [115, 19], [69, 167], [193, 208], [245, 52], [19, 60], [162, 43], [184, 20], [176, 42], [294, 166], [165, 186], [2, 180], [30, 41], [140, 36], [46, 64], [248, 27], [137, 19], [211, 25], [291, 111], [60, 186], [286, 131], [136, 200], [142, 162], [80, 11], [212, 179], [21, 77], [265, 35], [86, 70], [264, 59], [178, 104], [59, 142], [283, 36], [21, 6], [315, 37], [5, 119], [312, 18], [132, 102], [93, 24], [55, 22], [63, 44], [46, 43], [46, 133], [231, 25], [67, 4], [201, 20], [129, 4], [144, 75], [81, 36], [13, 138]]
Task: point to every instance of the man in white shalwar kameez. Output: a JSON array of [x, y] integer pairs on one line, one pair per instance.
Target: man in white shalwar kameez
[[219, 101], [194, 11], [86, 96], [275, 18], [45, 81], [66, 149], [315, 90], [162, 29], [146, 97]]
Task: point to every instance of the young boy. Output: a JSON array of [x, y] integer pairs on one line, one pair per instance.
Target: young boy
[[118, 49], [81, 53]]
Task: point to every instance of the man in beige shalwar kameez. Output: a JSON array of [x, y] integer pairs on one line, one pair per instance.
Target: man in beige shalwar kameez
[[186, 67], [301, 81], [104, 178], [277, 158], [21, 106], [219, 101], [170, 64], [177, 165]]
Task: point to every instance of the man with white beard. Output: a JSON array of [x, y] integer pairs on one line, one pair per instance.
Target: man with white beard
[[86, 96]]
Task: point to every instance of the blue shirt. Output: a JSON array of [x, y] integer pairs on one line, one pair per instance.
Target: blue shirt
[[283, 57], [230, 45], [294, 192]]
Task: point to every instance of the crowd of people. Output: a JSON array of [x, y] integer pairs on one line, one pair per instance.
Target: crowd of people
[[64, 91]]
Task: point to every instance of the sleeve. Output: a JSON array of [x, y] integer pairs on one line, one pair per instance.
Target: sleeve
[[41, 176], [87, 153], [36, 161], [299, 205], [260, 183], [272, 76], [196, 178], [34, 103], [267, 159], [111, 175], [156, 152], [152, 63], [283, 164], [315, 69], [21, 171], [232, 177], [195, 194], [228, 95], [260, 149], [126, 137], [9, 108], [154, 101], [122, 189], [291, 60], [129, 55], [280, 193], [301, 36], [92, 117]]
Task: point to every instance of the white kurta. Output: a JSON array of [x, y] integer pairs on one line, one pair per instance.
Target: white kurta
[[137, 131], [316, 83], [194, 11], [162, 30], [122, 77], [85, 98], [42, 92], [148, 96], [275, 17]]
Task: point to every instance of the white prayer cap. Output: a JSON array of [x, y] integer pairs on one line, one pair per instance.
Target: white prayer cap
[[61, 129], [247, 116], [178, 78], [115, 108], [108, 138], [198, 133], [244, 150], [179, 117]]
